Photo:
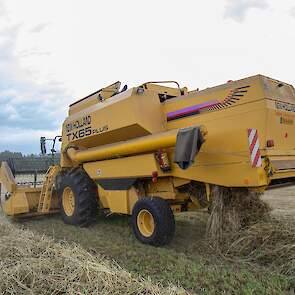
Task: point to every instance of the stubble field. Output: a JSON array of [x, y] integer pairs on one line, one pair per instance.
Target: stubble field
[[260, 260]]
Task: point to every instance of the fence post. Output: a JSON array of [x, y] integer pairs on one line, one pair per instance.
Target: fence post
[[35, 178]]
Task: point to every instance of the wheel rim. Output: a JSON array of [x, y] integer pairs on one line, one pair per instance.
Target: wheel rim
[[68, 201], [145, 223]]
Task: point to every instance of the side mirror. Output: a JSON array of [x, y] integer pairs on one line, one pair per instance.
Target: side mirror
[[43, 145]]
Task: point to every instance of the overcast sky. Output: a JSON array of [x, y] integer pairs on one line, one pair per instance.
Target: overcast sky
[[54, 52]]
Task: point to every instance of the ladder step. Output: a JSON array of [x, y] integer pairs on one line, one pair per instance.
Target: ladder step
[[46, 191]]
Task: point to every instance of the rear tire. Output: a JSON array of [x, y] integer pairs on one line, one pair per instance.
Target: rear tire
[[78, 197], [153, 221]]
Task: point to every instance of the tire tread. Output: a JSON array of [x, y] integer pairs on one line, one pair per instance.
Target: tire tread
[[86, 196]]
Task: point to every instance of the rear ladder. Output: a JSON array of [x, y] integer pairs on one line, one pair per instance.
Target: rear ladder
[[47, 189]]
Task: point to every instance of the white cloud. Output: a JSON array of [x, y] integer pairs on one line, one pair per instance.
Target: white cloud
[[238, 9], [32, 102], [39, 28], [2, 9], [21, 139], [292, 11]]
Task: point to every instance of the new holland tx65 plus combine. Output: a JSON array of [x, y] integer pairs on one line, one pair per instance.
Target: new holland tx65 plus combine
[[152, 151]]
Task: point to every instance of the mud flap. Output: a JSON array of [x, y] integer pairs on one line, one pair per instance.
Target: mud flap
[[188, 143]]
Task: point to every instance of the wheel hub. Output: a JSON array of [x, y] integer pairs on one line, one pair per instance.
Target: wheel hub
[[68, 201], [145, 223]]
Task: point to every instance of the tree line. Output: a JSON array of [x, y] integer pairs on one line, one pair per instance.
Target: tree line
[[32, 163]]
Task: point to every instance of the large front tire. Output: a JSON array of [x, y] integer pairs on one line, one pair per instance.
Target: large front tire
[[78, 197], [153, 221]]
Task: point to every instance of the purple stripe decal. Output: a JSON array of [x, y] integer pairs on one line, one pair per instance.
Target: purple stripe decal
[[189, 110]]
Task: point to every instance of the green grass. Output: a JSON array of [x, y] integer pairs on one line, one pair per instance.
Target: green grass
[[188, 261]]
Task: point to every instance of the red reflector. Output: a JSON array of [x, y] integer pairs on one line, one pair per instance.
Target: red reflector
[[270, 143], [155, 176]]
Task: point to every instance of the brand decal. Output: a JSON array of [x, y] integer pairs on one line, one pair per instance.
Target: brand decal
[[286, 121], [82, 128], [78, 123], [285, 106], [100, 129]]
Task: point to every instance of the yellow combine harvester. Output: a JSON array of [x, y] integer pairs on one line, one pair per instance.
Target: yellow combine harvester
[[152, 151]]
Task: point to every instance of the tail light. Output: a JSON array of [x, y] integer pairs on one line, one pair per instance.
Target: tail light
[[163, 161], [155, 176], [270, 143]]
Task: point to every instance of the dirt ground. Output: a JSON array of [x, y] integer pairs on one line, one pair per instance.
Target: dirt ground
[[282, 201]]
